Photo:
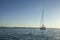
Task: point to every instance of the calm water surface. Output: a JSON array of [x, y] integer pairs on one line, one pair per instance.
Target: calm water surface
[[29, 34]]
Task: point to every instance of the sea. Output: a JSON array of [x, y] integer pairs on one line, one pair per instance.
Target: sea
[[29, 34]]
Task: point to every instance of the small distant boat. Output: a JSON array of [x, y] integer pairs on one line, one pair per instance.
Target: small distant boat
[[43, 26]]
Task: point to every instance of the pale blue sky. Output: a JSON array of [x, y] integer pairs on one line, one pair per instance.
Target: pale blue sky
[[27, 13]]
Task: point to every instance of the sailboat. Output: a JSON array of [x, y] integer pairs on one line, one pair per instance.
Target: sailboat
[[42, 19]]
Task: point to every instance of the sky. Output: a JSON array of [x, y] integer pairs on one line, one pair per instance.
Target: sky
[[27, 13]]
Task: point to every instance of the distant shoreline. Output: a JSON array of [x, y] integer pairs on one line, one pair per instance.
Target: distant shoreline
[[27, 27]]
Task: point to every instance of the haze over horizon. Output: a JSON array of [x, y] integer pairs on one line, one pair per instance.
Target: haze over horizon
[[27, 13]]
